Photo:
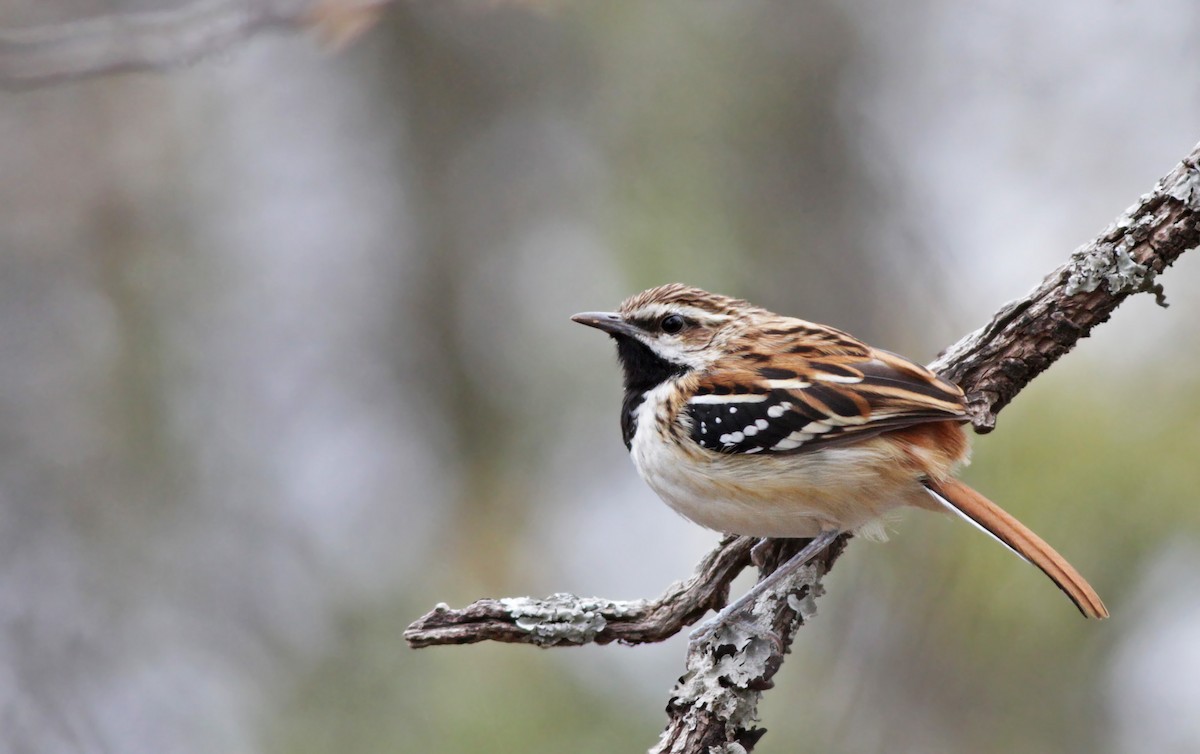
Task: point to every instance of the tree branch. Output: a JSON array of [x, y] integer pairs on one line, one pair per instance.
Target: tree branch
[[713, 707], [565, 620], [1026, 336]]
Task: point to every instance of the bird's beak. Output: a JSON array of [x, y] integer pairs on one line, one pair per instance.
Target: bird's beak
[[609, 322]]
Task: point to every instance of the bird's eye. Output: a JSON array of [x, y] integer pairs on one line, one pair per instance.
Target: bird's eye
[[671, 324]]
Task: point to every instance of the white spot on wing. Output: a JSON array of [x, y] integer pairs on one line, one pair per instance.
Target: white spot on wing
[[733, 409], [761, 423], [750, 431]]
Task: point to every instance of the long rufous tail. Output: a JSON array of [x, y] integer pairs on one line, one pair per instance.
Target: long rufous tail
[[993, 519]]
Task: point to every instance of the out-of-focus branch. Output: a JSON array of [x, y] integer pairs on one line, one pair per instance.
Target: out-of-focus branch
[[160, 40], [713, 707]]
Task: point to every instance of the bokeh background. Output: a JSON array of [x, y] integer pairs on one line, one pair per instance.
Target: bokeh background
[[285, 359]]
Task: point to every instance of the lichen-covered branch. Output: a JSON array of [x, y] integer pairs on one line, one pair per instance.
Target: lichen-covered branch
[[1026, 336], [160, 40], [713, 707], [567, 620]]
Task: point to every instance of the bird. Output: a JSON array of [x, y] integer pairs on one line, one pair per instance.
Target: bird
[[752, 423]]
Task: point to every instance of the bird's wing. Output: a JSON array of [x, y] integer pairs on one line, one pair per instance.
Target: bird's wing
[[803, 386]]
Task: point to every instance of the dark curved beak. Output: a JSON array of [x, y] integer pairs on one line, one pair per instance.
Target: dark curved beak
[[609, 322]]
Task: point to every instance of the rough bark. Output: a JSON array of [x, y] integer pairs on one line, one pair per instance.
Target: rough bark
[[565, 620], [713, 707], [1028, 335]]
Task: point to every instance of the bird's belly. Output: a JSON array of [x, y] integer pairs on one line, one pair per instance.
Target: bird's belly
[[844, 488]]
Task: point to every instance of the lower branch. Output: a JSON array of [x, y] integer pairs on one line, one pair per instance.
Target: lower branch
[[714, 704], [566, 620]]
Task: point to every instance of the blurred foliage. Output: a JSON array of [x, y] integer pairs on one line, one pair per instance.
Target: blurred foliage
[[375, 694]]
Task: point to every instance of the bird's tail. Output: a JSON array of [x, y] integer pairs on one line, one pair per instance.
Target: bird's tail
[[969, 504]]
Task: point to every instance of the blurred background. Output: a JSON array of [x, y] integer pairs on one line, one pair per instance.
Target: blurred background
[[285, 359]]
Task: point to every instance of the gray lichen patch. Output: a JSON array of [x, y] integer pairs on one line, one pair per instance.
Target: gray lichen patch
[[1111, 264], [721, 686], [727, 685], [1184, 185], [566, 619]]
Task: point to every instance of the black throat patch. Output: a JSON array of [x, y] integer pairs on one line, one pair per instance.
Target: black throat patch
[[644, 370]]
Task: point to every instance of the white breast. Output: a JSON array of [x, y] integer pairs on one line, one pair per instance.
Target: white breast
[[843, 487]]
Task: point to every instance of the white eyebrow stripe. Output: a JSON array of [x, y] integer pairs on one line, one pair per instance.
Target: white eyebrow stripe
[[654, 311], [739, 398]]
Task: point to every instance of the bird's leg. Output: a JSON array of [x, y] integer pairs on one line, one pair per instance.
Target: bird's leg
[[732, 612]]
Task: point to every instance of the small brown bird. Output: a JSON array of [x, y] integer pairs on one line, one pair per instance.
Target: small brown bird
[[749, 422]]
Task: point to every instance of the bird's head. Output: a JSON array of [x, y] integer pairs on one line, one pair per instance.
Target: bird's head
[[670, 330]]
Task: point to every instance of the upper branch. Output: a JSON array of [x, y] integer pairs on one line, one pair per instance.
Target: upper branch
[[1026, 336]]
